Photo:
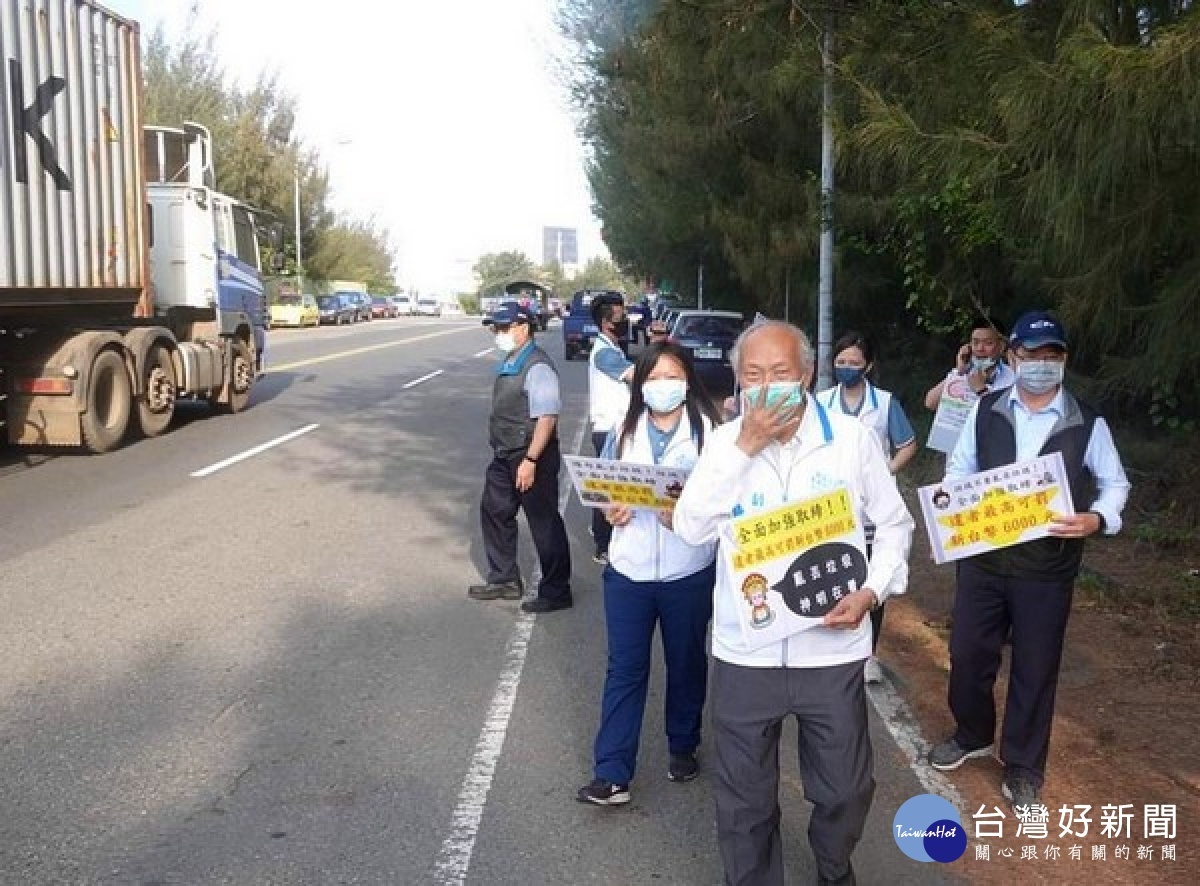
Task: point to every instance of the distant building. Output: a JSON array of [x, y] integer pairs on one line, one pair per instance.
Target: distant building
[[561, 246]]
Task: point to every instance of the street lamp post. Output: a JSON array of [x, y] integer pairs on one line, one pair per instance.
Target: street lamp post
[[299, 248]]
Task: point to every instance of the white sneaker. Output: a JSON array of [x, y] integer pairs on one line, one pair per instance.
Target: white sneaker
[[872, 672]]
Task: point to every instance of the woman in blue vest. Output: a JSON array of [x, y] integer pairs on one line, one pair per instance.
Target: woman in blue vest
[[654, 578], [854, 395]]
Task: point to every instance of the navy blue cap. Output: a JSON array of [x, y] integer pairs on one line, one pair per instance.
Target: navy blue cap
[[1036, 329], [510, 312]]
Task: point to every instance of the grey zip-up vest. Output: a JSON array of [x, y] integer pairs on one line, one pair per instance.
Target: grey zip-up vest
[[1050, 559], [510, 429]]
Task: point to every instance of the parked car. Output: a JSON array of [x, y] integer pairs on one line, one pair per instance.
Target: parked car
[[336, 310], [428, 306], [403, 305], [578, 329], [382, 308], [709, 335], [295, 310], [365, 311]]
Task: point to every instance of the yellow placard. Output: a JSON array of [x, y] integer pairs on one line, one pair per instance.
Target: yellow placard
[[791, 528], [1000, 518]]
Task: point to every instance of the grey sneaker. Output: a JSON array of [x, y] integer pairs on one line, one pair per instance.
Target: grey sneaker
[[1019, 791], [950, 754], [495, 590]]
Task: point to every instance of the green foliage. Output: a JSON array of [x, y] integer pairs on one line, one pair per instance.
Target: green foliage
[[992, 157], [259, 158], [497, 269]]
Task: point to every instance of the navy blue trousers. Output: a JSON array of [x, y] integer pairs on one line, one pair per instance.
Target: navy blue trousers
[[601, 528], [682, 610], [986, 607]]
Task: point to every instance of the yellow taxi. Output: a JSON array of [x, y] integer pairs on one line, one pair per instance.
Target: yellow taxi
[[295, 310]]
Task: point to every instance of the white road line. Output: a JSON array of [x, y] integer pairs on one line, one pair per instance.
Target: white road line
[[250, 453], [898, 717], [417, 381], [485, 352], [366, 349], [454, 858]]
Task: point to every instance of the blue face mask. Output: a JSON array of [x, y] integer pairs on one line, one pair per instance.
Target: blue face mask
[[982, 364], [780, 394], [849, 376]]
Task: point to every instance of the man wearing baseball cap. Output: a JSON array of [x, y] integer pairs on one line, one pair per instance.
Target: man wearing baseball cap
[[523, 474], [1025, 588]]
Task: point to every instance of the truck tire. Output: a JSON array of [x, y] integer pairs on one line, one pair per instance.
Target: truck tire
[[109, 403], [156, 408], [241, 379]]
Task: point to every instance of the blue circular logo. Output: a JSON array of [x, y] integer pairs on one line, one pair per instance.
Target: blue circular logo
[[928, 828]]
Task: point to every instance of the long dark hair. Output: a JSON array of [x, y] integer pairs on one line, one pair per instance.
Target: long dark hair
[[698, 403]]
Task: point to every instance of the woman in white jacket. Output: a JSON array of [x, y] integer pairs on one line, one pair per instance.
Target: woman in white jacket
[[654, 578], [879, 410]]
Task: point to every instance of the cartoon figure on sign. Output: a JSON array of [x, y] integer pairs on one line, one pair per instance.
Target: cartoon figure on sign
[[674, 489], [941, 499], [754, 589]]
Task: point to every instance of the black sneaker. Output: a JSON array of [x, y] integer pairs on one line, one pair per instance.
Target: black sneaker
[[682, 767], [494, 590], [603, 793], [1019, 791], [539, 605], [950, 754]]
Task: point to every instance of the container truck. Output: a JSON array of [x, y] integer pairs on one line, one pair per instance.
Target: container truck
[[127, 282]]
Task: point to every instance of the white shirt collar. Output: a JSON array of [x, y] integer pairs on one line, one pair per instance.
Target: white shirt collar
[[1057, 405]]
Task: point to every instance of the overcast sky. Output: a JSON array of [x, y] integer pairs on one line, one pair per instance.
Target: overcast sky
[[460, 138]]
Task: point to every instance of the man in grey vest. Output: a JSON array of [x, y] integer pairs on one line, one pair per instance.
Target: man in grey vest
[[1026, 588], [523, 474]]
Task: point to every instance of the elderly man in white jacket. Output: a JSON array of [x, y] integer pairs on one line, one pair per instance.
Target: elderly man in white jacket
[[786, 447]]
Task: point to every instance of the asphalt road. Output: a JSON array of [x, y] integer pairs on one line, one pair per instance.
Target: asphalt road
[[269, 673]]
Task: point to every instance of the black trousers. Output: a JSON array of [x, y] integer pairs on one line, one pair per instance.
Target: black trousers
[[498, 516], [986, 607], [601, 528]]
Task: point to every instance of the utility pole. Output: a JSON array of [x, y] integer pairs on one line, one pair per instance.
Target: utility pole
[[700, 287], [787, 296], [825, 286], [299, 248]]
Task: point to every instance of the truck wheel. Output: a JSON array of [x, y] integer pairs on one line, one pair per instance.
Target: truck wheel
[[109, 403], [241, 379], [157, 407]]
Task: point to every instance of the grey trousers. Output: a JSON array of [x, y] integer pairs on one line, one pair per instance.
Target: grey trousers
[[748, 709]]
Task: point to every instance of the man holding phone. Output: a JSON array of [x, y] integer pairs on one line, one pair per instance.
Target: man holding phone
[[981, 361]]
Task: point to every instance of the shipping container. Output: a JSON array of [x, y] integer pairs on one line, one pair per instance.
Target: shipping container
[[72, 191]]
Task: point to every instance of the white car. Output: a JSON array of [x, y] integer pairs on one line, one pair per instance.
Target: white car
[[429, 307], [403, 305]]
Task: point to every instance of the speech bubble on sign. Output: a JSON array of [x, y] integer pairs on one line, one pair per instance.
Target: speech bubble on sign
[[822, 577]]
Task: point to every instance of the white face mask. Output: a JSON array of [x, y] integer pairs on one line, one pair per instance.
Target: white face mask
[[506, 343], [664, 394], [1039, 376]]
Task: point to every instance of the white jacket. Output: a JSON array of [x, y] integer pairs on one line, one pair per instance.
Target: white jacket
[[828, 450], [608, 399], [874, 413], [644, 549]]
